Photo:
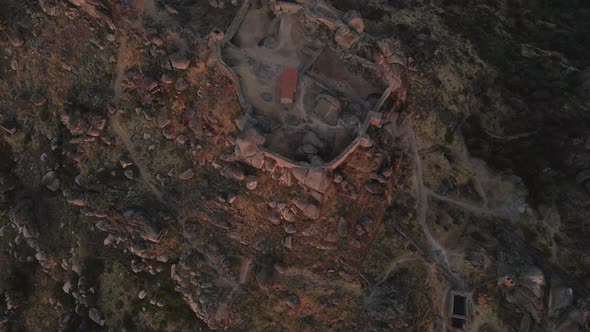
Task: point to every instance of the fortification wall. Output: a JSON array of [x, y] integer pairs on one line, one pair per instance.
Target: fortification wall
[[372, 116]]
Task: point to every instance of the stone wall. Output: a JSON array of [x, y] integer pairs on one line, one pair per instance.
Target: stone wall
[[383, 70]]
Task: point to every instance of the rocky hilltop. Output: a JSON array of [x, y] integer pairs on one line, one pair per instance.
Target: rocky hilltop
[[346, 165]]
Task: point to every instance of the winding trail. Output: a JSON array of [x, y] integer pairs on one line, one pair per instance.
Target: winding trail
[[394, 264], [438, 252], [509, 138], [467, 160], [143, 172], [118, 129], [322, 282], [120, 69], [463, 205]]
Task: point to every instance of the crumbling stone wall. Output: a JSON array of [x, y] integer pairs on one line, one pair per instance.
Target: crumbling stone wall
[[348, 29]]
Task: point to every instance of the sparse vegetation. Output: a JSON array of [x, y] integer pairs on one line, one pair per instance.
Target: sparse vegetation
[[132, 198]]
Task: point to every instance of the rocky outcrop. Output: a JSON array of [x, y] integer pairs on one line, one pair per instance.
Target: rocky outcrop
[[205, 281], [314, 178], [96, 316], [354, 19], [309, 208], [146, 228], [22, 215], [247, 143]]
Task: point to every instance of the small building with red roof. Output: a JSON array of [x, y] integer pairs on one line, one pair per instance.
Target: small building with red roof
[[288, 85]]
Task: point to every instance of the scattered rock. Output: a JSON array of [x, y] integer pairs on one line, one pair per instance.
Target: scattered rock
[[110, 239], [288, 215], [163, 119], [97, 124], [275, 221], [314, 178], [186, 175], [247, 143], [181, 139], [233, 171], [96, 316], [355, 244], [331, 237], [309, 209], [167, 79], [37, 100], [125, 161], [179, 61], [129, 174], [379, 178], [22, 215], [49, 7], [279, 268], [162, 259], [67, 287], [560, 297], [265, 278], [51, 181], [290, 228], [195, 125], [169, 133], [170, 10], [292, 301], [354, 19], [181, 85], [345, 37], [142, 294], [342, 227], [288, 242], [74, 198], [251, 182], [8, 121], [16, 36], [137, 267], [374, 187]]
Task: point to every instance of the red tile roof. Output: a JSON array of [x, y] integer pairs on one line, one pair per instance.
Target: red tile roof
[[288, 85]]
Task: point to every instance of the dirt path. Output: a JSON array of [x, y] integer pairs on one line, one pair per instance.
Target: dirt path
[[120, 70], [509, 138], [143, 172], [463, 205], [423, 193], [395, 263], [476, 177], [322, 282], [438, 252], [119, 130]]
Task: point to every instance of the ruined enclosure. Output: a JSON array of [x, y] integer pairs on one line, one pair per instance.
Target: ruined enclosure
[[320, 113]]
